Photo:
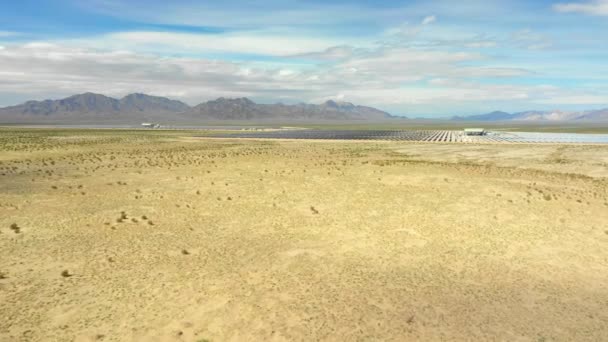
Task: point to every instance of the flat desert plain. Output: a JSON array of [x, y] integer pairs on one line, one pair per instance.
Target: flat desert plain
[[110, 235]]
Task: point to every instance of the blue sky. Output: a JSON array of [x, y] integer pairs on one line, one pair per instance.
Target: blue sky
[[416, 58]]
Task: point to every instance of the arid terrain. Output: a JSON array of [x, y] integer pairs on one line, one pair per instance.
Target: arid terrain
[[118, 235]]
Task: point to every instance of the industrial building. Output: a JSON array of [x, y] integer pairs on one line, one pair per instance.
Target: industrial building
[[474, 131]]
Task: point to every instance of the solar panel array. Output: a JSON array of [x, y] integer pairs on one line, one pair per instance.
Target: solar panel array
[[423, 135]]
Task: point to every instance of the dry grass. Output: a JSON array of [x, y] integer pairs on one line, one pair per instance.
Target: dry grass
[[153, 236]]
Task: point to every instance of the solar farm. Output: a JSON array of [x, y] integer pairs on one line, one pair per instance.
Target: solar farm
[[451, 136]]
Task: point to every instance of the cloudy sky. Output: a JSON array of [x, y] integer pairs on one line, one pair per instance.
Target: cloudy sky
[[416, 58]]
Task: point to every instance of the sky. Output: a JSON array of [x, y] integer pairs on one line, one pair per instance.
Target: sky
[[414, 58]]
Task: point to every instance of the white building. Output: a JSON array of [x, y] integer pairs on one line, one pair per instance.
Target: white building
[[474, 131]]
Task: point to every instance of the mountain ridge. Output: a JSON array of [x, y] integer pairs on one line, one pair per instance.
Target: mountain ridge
[[539, 116], [137, 107], [245, 109]]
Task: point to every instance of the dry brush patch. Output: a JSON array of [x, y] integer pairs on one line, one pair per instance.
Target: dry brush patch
[[187, 239]]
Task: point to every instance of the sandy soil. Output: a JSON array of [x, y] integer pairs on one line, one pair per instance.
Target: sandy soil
[[120, 236]]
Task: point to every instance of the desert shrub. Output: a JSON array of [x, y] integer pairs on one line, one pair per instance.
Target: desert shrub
[[15, 228]]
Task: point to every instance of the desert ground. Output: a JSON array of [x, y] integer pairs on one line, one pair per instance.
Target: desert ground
[[132, 235]]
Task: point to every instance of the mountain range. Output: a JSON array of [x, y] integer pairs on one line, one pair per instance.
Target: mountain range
[[539, 116], [90, 108], [135, 108]]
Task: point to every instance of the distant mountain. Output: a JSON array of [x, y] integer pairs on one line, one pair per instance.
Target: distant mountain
[[596, 115], [146, 103], [538, 116], [493, 116], [134, 108], [227, 109], [546, 116], [83, 103], [90, 107], [348, 110], [245, 109]]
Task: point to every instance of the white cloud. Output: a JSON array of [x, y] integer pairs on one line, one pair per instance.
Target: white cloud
[[596, 7], [579, 99], [481, 44], [241, 43], [446, 96], [530, 40], [409, 31], [332, 53], [429, 20], [41, 68], [405, 30], [398, 77]]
